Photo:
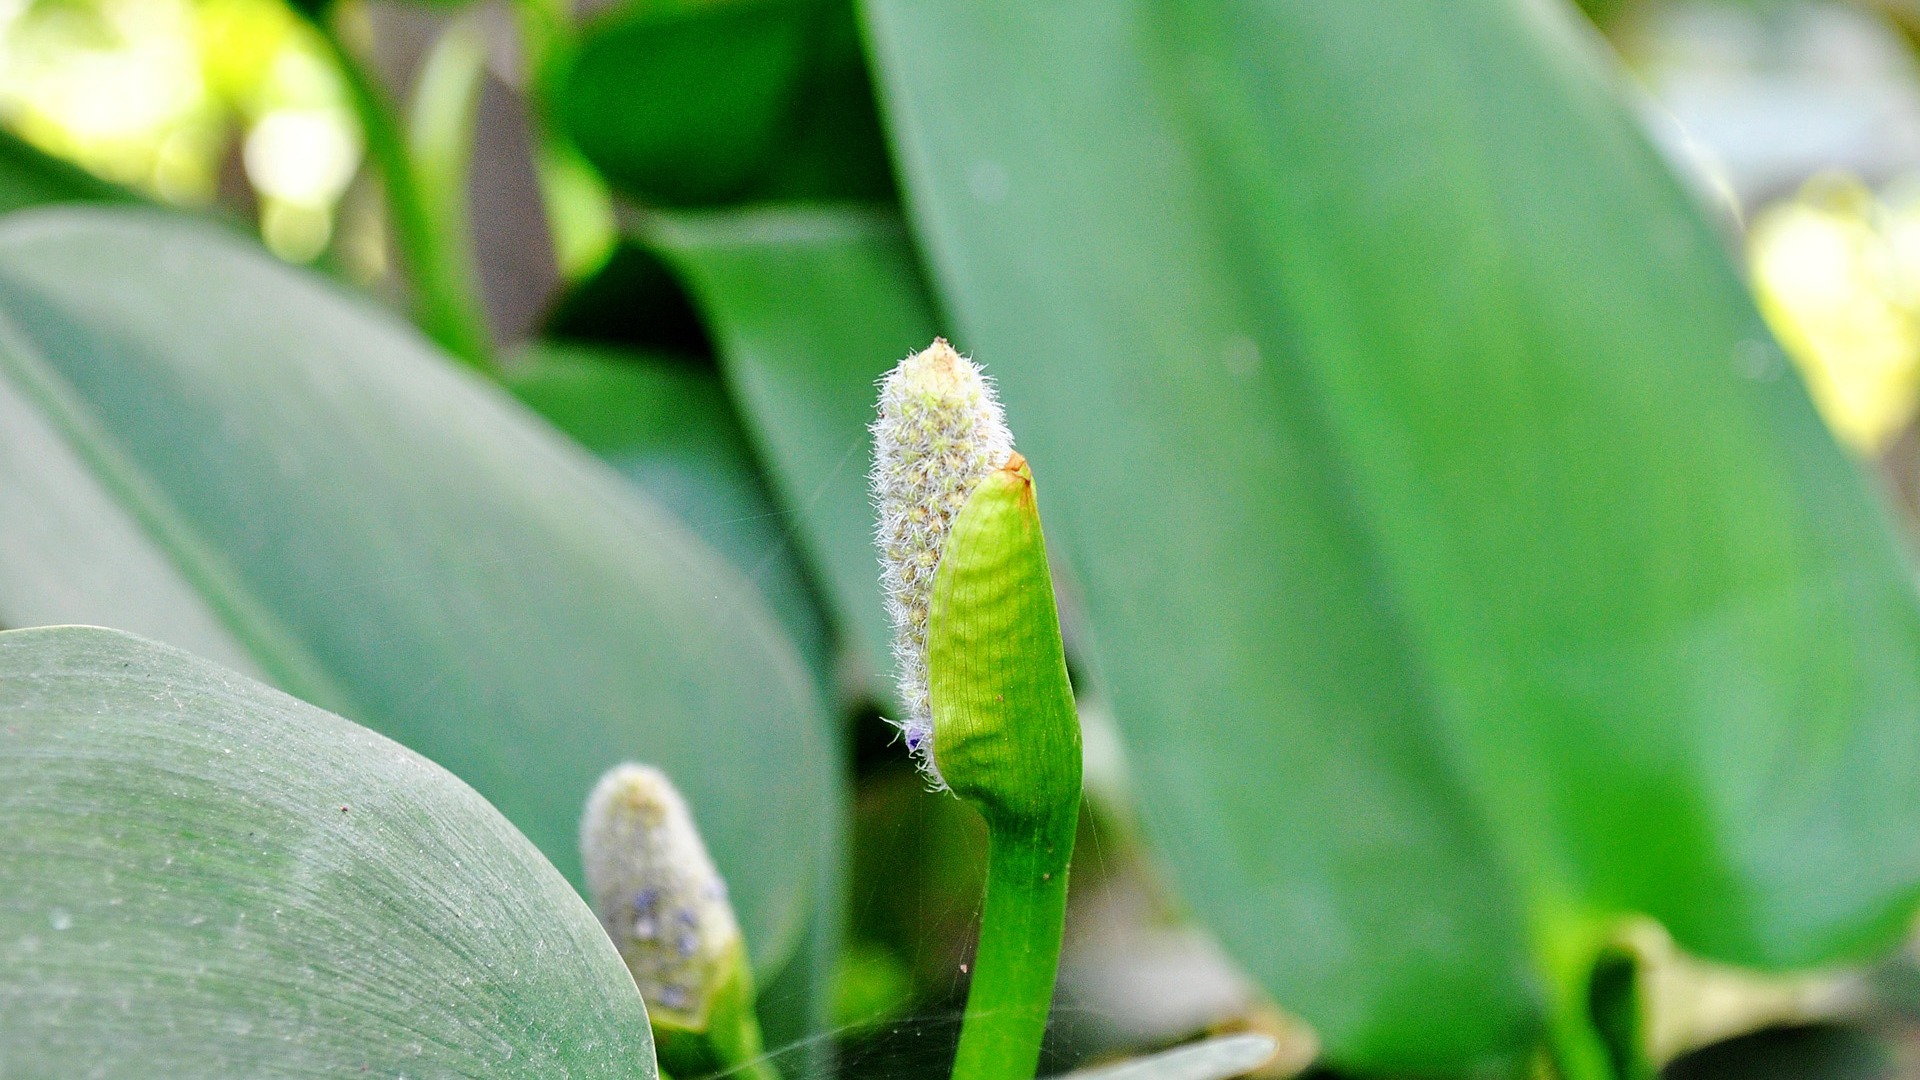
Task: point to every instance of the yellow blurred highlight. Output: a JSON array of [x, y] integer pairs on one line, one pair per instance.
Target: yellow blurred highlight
[[109, 84], [154, 93], [1837, 274]]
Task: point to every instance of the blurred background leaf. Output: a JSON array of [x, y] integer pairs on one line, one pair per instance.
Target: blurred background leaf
[[325, 497], [667, 426], [29, 177], [809, 308]]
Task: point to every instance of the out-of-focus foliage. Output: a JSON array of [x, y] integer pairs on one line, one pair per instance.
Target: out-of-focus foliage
[[29, 177], [696, 104], [216, 451], [668, 426], [163, 95], [807, 306]]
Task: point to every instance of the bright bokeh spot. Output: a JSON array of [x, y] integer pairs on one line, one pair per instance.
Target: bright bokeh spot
[[1837, 273], [155, 94], [114, 85], [301, 155]]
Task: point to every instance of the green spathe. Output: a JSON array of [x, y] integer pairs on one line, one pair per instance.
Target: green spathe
[[1007, 740], [1005, 733]]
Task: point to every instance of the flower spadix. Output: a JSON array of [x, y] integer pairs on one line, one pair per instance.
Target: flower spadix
[[939, 433], [665, 906]]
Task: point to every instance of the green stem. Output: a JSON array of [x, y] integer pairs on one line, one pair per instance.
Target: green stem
[[1019, 952], [1593, 1029], [445, 299]]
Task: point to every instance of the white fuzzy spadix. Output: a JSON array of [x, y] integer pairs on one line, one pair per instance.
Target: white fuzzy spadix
[[658, 894], [940, 432]]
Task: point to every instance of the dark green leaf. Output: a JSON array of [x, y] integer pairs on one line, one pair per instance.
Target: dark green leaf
[[205, 877], [1464, 565], [1815, 1052], [686, 103], [1617, 1011], [31, 177], [810, 308], [288, 476], [632, 300]]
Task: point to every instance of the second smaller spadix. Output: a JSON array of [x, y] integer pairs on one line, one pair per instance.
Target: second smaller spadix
[[665, 906]]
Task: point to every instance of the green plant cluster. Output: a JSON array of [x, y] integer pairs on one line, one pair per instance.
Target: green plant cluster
[[1461, 589]]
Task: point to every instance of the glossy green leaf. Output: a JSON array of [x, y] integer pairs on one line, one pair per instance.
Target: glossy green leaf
[[809, 308], [695, 103], [293, 477], [668, 427], [1211, 1059], [205, 877], [1464, 565]]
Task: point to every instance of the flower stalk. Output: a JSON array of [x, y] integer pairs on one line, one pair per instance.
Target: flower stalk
[[978, 638]]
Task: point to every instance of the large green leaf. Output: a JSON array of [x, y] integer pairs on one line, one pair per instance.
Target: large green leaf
[[1464, 565], [810, 307], [200, 876], [292, 477], [667, 426]]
